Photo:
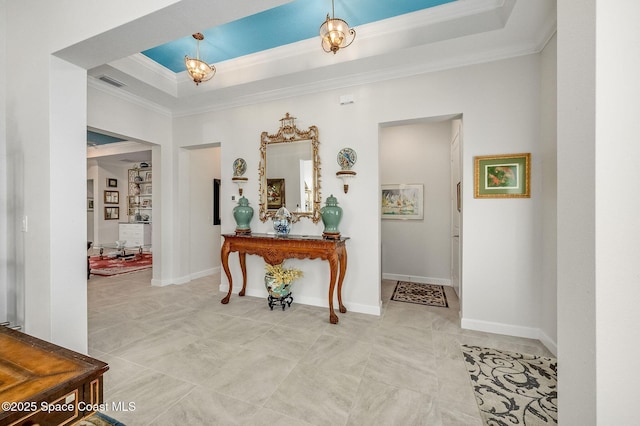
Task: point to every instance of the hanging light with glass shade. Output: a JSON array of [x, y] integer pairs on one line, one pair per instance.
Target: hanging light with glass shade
[[199, 70], [335, 33]]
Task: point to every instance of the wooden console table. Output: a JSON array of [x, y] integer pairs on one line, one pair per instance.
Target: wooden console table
[[41, 383], [275, 249]]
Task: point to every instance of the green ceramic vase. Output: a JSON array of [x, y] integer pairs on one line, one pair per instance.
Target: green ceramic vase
[[243, 213], [331, 215]]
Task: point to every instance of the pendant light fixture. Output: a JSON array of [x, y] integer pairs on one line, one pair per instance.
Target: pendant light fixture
[[335, 33], [199, 70]]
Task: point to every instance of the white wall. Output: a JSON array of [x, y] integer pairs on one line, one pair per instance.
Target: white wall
[[204, 249], [238, 131], [418, 250], [500, 103]]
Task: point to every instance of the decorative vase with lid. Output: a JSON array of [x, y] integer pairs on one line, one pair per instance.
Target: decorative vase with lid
[[331, 215], [282, 221], [243, 213]]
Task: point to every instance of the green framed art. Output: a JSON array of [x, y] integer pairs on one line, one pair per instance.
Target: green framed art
[[502, 176]]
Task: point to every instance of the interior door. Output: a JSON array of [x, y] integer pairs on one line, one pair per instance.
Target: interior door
[[456, 206]]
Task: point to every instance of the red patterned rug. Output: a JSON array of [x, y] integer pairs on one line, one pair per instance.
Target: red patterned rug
[[108, 266]]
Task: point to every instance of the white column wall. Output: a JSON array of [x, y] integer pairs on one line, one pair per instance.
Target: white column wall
[[617, 205], [598, 225], [549, 219], [68, 188], [576, 213], [7, 304]]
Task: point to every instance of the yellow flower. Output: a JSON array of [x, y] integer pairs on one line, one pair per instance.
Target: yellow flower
[[282, 274]]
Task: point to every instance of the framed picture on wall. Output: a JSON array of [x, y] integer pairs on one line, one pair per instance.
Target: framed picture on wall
[[111, 213], [112, 183], [89, 204], [402, 201], [502, 176], [275, 193], [111, 197]]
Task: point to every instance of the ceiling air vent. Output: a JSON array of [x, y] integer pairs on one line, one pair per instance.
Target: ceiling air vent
[[111, 81]]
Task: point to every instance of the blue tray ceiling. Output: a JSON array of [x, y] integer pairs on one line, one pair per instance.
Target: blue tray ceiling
[[289, 23]]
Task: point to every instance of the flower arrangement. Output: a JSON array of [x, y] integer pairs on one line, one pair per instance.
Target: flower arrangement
[[283, 275]]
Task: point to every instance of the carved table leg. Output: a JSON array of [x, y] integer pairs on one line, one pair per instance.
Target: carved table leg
[[243, 266], [333, 265], [224, 257], [342, 256]]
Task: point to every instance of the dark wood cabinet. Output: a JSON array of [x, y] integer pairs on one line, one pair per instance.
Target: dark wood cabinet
[[45, 384]]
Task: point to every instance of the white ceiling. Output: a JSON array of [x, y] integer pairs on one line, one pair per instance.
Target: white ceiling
[[446, 36]]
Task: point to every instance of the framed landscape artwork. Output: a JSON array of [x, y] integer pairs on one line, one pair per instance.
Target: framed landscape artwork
[[502, 176], [275, 193], [403, 201]]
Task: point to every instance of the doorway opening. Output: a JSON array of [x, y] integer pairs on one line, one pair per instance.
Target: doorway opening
[[423, 246], [120, 202]]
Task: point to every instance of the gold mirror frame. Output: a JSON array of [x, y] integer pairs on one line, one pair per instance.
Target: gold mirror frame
[[289, 133]]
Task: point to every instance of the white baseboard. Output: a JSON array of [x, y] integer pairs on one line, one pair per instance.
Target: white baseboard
[[312, 301], [511, 330], [549, 343], [499, 328], [185, 279], [160, 283], [417, 279], [205, 273]]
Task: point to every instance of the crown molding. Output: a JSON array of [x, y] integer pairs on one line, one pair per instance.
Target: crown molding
[[453, 35]]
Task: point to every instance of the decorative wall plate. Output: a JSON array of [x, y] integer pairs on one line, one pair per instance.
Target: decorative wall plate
[[347, 158], [239, 167]]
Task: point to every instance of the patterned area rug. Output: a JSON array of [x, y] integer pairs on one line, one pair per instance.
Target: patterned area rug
[[99, 419], [114, 266], [423, 294], [513, 388]]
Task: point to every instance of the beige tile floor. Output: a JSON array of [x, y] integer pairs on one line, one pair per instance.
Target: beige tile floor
[[182, 358]]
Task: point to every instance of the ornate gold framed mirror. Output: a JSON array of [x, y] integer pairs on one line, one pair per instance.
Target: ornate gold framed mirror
[[289, 172]]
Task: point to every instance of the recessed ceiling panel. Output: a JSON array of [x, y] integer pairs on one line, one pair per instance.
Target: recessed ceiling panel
[[289, 23], [94, 138]]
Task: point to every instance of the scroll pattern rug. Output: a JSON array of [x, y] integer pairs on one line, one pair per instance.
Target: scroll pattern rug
[[423, 294], [114, 266], [513, 388]]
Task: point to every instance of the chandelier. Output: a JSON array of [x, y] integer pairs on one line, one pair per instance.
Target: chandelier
[[199, 70], [335, 33]]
